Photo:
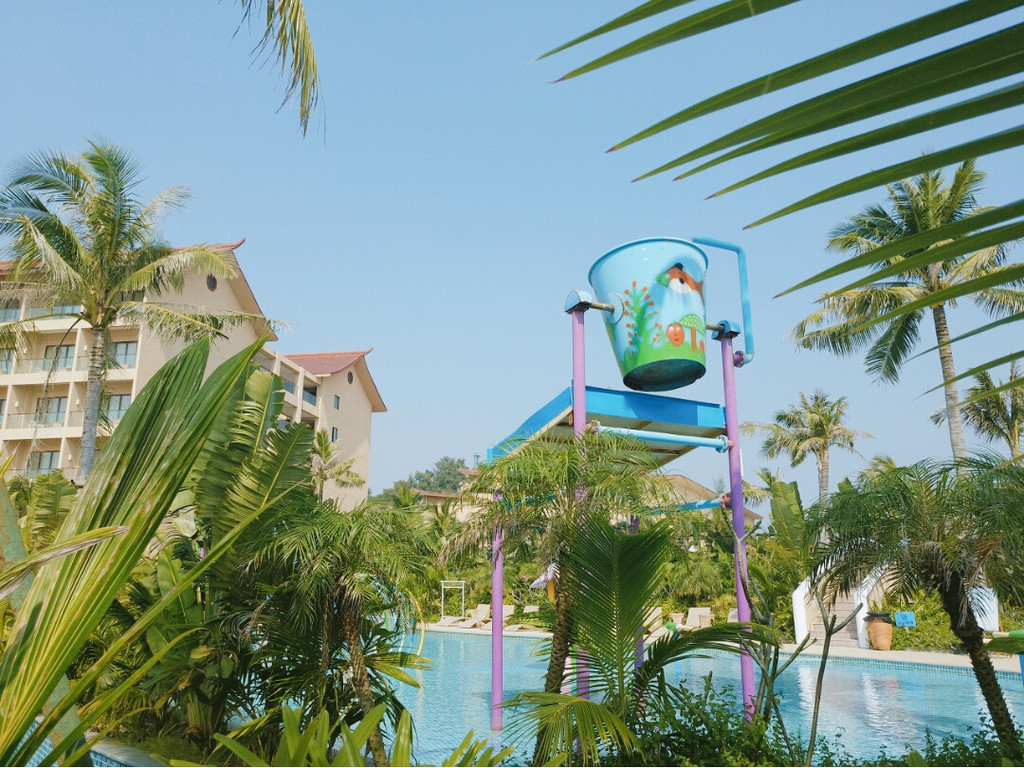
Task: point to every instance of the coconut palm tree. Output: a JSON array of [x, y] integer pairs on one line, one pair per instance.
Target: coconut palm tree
[[325, 463], [994, 411], [811, 428], [81, 237], [544, 493], [946, 527], [622, 572], [885, 315], [337, 570]]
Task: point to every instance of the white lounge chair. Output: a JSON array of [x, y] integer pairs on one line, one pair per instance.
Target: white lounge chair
[[475, 616], [698, 618], [506, 614]]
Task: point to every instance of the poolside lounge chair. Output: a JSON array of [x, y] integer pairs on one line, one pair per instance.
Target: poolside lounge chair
[[447, 621], [531, 609], [697, 618], [506, 614], [475, 616], [653, 621], [734, 615]]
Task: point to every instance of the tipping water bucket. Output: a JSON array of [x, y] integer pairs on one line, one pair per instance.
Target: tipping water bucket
[[659, 335]]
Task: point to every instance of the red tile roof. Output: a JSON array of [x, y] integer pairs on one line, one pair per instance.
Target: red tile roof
[[326, 363]]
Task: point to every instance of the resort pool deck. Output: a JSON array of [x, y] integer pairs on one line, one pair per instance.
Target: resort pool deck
[[871, 699]]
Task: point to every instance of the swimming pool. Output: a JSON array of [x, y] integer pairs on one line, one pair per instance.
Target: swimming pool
[[869, 704]]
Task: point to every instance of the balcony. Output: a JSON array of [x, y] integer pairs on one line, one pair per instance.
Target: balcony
[[40, 420], [44, 365], [309, 397]]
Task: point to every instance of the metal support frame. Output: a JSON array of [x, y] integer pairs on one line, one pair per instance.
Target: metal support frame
[[576, 304]]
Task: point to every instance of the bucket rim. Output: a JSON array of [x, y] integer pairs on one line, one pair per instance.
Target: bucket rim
[[641, 241]]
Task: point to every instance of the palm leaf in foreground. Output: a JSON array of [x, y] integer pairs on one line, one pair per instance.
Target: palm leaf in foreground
[[133, 485]]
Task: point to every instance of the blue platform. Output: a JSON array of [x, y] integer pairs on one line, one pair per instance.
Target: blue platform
[[625, 410]]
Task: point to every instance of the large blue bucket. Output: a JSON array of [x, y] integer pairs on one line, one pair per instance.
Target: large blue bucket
[[660, 334]]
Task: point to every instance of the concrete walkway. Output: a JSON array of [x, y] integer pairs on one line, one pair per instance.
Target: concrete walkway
[[1001, 662]]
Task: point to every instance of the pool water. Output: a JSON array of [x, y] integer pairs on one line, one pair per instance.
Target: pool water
[[870, 705]]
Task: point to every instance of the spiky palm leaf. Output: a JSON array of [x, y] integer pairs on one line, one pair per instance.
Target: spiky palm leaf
[[135, 482], [944, 70]]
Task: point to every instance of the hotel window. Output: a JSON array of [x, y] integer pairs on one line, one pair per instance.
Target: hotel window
[[51, 410], [334, 434], [337, 402], [41, 462], [10, 310], [6, 360], [3, 411], [123, 353], [117, 406], [59, 357]]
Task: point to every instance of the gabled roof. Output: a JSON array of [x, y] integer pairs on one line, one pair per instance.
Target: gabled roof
[[326, 363], [330, 363]]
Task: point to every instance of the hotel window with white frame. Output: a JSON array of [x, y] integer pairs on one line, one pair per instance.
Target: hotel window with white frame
[[58, 357], [124, 353], [334, 434], [41, 462]]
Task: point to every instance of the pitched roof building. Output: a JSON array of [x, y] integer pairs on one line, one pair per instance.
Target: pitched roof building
[[42, 384]]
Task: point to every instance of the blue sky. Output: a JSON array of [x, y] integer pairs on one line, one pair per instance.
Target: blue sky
[[456, 196]]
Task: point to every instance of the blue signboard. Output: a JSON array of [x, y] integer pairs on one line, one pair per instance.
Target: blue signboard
[[904, 619]]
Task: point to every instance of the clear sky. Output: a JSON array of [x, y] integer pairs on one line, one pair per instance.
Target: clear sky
[[455, 196]]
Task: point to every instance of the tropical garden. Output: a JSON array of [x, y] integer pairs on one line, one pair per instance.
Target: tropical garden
[[193, 582]]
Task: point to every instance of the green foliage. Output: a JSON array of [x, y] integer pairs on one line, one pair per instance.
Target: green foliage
[[707, 728], [134, 484], [444, 477], [932, 632]]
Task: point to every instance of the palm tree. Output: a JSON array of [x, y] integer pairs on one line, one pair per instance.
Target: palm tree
[[813, 427], [622, 572], [81, 237], [947, 527], [545, 493], [337, 571], [884, 315], [994, 411], [325, 463]]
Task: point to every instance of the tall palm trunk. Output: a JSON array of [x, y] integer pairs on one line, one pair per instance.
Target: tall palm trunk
[[953, 419], [91, 417], [561, 640], [965, 626], [361, 682], [823, 467]]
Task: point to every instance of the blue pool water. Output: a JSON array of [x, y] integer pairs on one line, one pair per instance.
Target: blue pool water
[[870, 705]]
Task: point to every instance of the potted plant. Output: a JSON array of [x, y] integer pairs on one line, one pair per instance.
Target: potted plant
[[880, 630]]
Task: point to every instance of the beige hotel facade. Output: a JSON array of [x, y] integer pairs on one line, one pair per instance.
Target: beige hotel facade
[[42, 384]]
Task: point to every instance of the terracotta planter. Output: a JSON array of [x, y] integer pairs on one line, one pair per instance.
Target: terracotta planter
[[880, 634]]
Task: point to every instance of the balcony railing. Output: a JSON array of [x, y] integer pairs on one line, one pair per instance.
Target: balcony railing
[[43, 365], [289, 386], [27, 420], [309, 397], [125, 362]]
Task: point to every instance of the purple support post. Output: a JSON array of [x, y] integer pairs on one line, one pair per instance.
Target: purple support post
[[497, 622], [579, 423], [732, 432]]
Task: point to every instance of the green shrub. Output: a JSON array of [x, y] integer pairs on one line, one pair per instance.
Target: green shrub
[[932, 632]]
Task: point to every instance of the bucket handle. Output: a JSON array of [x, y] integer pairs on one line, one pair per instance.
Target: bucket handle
[[747, 356]]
